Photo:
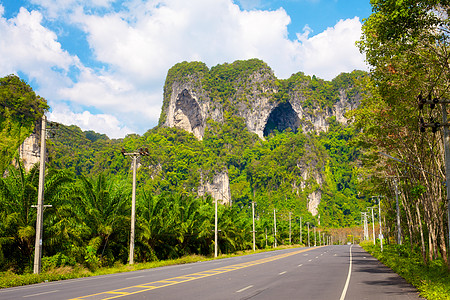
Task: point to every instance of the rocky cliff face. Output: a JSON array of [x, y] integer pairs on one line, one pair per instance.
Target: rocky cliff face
[[30, 150], [189, 102], [219, 188], [193, 94]]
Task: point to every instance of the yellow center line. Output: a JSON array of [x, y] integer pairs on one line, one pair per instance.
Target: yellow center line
[[184, 278]]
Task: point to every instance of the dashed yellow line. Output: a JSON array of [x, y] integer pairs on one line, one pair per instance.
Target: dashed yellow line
[[181, 279]]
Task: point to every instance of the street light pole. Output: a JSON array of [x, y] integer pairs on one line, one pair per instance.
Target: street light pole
[[315, 236], [301, 230], [399, 229], [275, 228], [215, 228], [379, 216], [253, 218], [40, 203], [373, 226], [307, 223], [290, 240]]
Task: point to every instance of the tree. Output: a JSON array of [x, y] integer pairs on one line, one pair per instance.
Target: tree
[[406, 43]]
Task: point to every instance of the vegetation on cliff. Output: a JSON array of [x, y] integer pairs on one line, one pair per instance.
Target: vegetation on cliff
[[20, 109]]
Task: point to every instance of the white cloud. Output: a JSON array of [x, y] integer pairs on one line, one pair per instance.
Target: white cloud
[[333, 51], [102, 123], [27, 46], [139, 43]]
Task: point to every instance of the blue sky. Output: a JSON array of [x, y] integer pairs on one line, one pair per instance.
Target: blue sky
[[101, 64]]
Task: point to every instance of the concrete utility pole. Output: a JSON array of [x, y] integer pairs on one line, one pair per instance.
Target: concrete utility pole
[[379, 216], [399, 228], [373, 226], [307, 223], [215, 229], [366, 230], [300, 230], [315, 236], [253, 218], [40, 203], [290, 240], [134, 156], [275, 228], [266, 236]]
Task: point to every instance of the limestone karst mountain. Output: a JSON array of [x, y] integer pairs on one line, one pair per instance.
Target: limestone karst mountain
[[193, 94]]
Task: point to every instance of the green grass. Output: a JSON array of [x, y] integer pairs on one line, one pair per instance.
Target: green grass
[[432, 280], [10, 279]]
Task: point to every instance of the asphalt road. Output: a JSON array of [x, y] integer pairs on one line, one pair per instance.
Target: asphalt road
[[329, 272]]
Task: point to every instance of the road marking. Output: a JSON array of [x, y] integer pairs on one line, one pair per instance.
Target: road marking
[[344, 292], [282, 273], [131, 290], [310, 260], [135, 277], [246, 288], [300, 265], [40, 294]]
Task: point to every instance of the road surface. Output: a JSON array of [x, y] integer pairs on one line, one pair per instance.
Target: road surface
[[327, 272]]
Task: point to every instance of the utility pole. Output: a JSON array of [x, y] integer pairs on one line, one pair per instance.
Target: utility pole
[[215, 229], [379, 215], [366, 230], [399, 228], [134, 156], [253, 218], [308, 234], [373, 225], [266, 236], [40, 203], [290, 240], [315, 236], [301, 230], [275, 228]]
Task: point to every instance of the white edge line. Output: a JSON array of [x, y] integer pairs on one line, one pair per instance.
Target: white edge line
[[344, 292], [246, 288], [282, 273], [44, 293]]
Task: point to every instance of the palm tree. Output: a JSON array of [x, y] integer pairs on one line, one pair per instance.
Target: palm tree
[[18, 192], [103, 210]]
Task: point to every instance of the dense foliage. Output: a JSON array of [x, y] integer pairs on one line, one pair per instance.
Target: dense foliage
[[407, 45], [20, 109]]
